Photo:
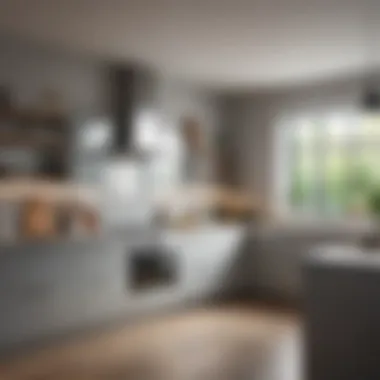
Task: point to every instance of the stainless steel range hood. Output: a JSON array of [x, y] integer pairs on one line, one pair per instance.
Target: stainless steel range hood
[[133, 93]]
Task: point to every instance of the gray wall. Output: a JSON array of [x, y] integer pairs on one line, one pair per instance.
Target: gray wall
[[81, 80], [251, 120], [30, 69], [178, 100]]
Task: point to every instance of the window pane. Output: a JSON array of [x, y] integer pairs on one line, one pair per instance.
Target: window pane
[[363, 176], [370, 126], [335, 178], [340, 132], [334, 164], [303, 174]]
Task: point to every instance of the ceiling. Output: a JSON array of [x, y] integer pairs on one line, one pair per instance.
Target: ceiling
[[221, 43]]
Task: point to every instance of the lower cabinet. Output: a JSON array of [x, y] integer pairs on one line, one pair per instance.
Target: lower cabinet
[[208, 258], [50, 290]]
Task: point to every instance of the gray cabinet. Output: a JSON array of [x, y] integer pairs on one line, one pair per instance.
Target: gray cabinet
[[342, 314], [48, 289]]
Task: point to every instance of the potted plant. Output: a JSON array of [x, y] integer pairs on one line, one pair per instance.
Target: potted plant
[[374, 203], [372, 240]]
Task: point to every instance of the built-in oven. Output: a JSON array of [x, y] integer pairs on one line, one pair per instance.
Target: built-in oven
[[152, 267]]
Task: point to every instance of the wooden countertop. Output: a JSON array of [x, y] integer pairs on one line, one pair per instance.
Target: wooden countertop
[[55, 191]]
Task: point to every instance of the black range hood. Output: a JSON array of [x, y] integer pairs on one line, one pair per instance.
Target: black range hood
[[371, 100], [133, 92]]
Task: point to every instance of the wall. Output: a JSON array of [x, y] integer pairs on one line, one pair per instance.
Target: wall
[[251, 120], [254, 117], [178, 100], [30, 69], [80, 79]]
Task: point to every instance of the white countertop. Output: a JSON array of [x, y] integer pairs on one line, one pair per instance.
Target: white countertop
[[346, 255]]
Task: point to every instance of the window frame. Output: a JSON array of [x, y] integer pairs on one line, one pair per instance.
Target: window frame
[[282, 160]]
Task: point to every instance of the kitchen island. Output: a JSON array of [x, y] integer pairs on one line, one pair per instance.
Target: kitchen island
[[342, 287]]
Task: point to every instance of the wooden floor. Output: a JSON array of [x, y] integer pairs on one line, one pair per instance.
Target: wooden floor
[[221, 343]]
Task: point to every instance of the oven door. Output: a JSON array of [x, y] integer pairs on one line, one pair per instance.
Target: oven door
[[151, 268]]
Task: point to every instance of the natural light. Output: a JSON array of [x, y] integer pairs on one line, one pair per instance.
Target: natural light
[[332, 165]]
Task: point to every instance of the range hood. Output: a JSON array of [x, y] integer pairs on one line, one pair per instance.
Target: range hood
[[371, 100], [133, 94]]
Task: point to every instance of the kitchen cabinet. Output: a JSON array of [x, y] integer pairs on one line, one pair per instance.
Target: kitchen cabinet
[[208, 255], [50, 288], [342, 287], [53, 288]]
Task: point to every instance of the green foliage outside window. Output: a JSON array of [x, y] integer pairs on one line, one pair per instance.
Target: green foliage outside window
[[336, 177]]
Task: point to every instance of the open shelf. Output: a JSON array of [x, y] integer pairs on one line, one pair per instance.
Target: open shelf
[[25, 138]]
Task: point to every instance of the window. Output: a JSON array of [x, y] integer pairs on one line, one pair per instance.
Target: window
[[332, 164]]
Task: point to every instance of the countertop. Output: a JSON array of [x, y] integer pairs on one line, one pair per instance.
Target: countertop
[[346, 255]]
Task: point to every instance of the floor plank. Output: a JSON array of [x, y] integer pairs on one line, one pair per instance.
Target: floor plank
[[222, 343]]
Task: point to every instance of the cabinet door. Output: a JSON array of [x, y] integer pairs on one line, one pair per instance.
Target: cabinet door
[[216, 259], [208, 257], [179, 244], [47, 289]]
